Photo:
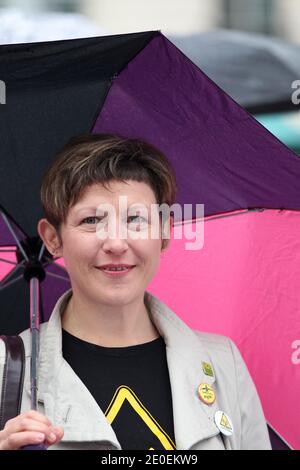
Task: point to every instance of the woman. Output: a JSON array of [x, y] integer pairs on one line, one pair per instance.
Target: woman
[[118, 369]]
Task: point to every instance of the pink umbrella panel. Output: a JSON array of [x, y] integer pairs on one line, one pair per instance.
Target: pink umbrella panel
[[244, 284]]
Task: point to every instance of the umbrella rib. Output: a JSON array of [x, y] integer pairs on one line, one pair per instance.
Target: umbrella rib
[[246, 211], [14, 235], [9, 262], [214, 217], [11, 273], [3, 286], [59, 266], [50, 261], [41, 251], [58, 276]]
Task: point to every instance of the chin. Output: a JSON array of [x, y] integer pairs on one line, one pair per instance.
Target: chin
[[117, 297]]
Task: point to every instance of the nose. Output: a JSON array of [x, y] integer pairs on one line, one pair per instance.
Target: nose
[[115, 245]]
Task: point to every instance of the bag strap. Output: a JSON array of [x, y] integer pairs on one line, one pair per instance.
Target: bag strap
[[13, 378]]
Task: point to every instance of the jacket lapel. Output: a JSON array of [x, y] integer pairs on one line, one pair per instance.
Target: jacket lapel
[[193, 419]]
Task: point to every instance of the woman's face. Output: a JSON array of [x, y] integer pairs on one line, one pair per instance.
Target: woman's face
[[88, 243]]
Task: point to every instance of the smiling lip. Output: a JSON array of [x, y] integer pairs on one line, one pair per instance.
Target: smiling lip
[[121, 273]]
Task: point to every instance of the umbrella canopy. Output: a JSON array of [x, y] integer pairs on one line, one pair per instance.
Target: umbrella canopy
[[223, 157], [256, 70]]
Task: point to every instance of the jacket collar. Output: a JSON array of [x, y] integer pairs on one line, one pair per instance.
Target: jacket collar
[[78, 412]]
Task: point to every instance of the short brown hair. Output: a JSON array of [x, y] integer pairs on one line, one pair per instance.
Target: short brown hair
[[100, 158]]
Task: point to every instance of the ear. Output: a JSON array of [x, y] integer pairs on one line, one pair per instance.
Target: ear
[[50, 237], [167, 230]]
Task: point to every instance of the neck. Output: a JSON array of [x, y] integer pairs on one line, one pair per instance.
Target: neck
[[108, 325]]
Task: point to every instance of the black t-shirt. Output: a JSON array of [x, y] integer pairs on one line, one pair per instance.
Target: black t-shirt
[[131, 386]]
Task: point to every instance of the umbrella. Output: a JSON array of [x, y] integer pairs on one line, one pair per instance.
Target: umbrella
[[223, 157], [256, 70]]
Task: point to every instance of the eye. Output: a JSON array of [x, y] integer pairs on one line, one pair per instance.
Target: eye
[[89, 218], [142, 219]]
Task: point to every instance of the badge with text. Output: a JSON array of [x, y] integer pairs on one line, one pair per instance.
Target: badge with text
[[206, 394], [207, 369], [223, 423]]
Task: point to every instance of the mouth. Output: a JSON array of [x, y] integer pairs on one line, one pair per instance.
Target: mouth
[[116, 271]]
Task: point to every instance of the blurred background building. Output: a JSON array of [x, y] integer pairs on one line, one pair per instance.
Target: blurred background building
[[279, 18]]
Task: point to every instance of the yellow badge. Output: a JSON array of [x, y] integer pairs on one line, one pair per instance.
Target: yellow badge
[[207, 369], [206, 394]]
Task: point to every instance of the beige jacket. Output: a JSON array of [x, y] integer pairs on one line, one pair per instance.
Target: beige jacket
[[68, 403]]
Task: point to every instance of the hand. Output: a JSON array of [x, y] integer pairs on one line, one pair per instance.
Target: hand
[[29, 428]]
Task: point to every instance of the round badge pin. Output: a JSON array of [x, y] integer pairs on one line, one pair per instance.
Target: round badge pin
[[223, 423], [206, 394]]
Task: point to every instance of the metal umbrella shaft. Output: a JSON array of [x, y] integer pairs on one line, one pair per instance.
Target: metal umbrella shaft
[[34, 272], [34, 328]]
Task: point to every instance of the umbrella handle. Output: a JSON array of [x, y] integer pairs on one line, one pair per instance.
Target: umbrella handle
[[34, 447]]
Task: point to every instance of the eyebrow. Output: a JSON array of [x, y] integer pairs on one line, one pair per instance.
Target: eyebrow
[[93, 208], [85, 209]]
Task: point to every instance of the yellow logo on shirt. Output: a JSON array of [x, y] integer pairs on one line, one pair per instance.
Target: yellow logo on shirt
[[125, 393]]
